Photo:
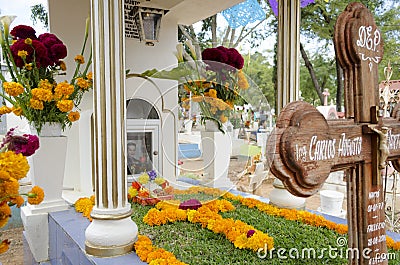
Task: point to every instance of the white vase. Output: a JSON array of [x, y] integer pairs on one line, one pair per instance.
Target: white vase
[[48, 130], [48, 172], [211, 126]]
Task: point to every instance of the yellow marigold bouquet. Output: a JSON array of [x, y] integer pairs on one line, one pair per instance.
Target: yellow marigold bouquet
[[33, 63], [13, 167], [213, 81]]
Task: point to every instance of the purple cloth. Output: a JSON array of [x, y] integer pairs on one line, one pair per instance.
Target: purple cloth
[[274, 4]]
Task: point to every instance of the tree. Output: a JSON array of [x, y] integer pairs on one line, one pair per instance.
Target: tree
[[39, 13], [318, 24]]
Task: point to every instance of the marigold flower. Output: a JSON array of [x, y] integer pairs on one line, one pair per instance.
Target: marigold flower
[[19, 201], [13, 89], [14, 164], [63, 66], [45, 84], [36, 104], [10, 187], [79, 59], [28, 66], [36, 195], [89, 76], [4, 245], [82, 83], [5, 110], [42, 94], [17, 111], [65, 105], [4, 175], [223, 118], [212, 93], [28, 41], [73, 116], [22, 54], [5, 213], [63, 89]]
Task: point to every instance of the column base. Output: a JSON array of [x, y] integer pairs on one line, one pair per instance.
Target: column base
[[110, 235]]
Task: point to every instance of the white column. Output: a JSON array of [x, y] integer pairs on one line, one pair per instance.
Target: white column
[[288, 82], [288, 71], [112, 232]]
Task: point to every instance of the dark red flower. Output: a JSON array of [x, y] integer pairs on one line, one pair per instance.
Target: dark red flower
[[192, 204], [23, 32], [250, 233], [40, 53], [55, 47]]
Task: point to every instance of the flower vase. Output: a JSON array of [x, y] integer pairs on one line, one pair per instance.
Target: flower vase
[[48, 169], [211, 126], [216, 152]]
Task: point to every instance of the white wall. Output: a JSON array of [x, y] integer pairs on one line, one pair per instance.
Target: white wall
[[139, 57]]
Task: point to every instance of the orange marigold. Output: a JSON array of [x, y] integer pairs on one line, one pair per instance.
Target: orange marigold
[[65, 105], [79, 59], [4, 245], [17, 200], [45, 84], [63, 66], [63, 90], [36, 104], [42, 94], [82, 83], [13, 89], [17, 111], [5, 110], [15, 164], [36, 195], [73, 116]]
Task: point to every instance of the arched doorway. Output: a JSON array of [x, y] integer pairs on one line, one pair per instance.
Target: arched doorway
[[143, 137]]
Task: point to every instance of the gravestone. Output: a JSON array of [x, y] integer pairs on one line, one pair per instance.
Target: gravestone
[[306, 147]]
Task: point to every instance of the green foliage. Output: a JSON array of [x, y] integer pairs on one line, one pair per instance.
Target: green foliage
[[260, 74], [39, 13]]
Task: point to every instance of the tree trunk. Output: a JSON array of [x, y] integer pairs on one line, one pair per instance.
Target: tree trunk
[[312, 74], [214, 39]]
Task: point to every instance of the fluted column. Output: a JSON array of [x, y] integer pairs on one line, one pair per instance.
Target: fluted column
[[288, 83], [112, 232], [288, 80]]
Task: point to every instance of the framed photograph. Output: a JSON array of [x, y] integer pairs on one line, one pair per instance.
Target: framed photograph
[[139, 152]]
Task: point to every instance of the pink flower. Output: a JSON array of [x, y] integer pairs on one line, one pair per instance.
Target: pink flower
[[26, 144]]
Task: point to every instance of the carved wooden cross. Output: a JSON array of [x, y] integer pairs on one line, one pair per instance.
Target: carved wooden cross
[[306, 147]]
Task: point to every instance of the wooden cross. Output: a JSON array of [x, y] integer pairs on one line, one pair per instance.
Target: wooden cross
[[305, 147]]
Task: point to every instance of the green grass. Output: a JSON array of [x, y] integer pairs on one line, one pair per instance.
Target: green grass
[[197, 246]]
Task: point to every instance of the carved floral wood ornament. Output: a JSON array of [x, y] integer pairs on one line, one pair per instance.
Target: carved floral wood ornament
[[305, 148]]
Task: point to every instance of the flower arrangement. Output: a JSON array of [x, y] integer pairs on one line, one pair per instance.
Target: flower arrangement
[[150, 189], [33, 63], [212, 215], [13, 167], [213, 81]]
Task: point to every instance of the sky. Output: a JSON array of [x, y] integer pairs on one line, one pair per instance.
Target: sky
[[21, 9]]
